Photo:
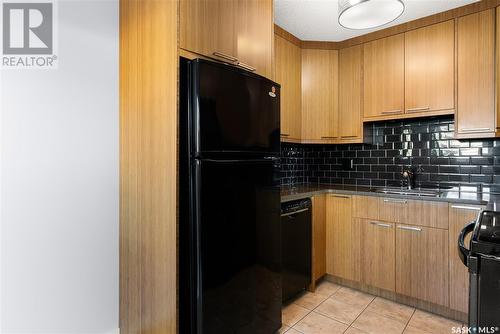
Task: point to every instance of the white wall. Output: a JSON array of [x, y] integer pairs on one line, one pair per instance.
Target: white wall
[[59, 181]]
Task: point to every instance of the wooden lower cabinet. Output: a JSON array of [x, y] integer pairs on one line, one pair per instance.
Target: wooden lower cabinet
[[378, 245], [318, 237], [422, 263], [342, 238], [460, 215]]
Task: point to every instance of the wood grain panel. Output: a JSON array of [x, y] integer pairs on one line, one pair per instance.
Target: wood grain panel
[[288, 75], [319, 237], [191, 36], [460, 215], [427, 213], [351, 94], [430, 68], [394, 210], [286, 35], [255, 34], [365, 207], [422, 263], [383, 79], [148, 155], [476, 113], [378, 267], [321, 45], [342, 238], [319, 94]]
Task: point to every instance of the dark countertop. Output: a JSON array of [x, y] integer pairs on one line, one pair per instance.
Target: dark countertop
[[464, 195]]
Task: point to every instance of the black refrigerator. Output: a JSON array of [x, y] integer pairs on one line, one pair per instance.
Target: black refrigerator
[[229, 214]]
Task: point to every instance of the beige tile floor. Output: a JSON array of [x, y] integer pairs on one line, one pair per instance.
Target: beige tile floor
[[333, 309]]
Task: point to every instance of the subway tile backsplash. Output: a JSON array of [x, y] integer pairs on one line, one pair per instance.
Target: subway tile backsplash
[[427, 145]]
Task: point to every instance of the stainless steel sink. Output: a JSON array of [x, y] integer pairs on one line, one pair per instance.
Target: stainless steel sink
[[408, 192]]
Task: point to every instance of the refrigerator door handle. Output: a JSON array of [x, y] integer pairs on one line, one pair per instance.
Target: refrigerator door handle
[[463, 251]]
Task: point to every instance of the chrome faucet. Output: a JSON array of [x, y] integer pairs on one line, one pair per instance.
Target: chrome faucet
[[408, 176]]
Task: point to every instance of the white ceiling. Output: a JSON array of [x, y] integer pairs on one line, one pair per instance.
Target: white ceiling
[[316, 20]]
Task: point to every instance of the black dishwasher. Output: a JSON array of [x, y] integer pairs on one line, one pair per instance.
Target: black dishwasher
[[296, 247]]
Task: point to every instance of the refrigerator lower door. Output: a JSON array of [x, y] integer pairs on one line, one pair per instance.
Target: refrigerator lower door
[[239, 238]]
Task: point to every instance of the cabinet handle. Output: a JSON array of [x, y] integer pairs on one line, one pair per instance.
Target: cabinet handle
[[326, 137], [339, 196], [475, 129], [381, 225], [348, 136], [410, 228], [391, 200], [418, 109], [285, 135], [246, 67], [391, 111], [464, 207], [225, 56]]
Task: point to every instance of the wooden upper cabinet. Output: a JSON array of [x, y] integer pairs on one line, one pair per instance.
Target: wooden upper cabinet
[[319, 95], [255, 35], [288, 75], [429, 68], [207, 27], [235, 31], [476, 113], [350, 94], [384, 77]]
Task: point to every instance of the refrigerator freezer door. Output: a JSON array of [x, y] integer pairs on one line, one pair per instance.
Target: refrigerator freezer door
[[234, 111], [240, 246]]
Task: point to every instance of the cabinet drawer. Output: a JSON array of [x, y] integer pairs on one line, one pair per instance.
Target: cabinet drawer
[[365, 207], [427, 213], [393, 210]]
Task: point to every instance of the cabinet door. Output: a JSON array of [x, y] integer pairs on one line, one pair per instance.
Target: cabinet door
[[318, 237], [378, 266], [342, 239], [384, 77], [460, 215], [319, 95], [255, 35], [429, 69], [422, 263], [475, 114], [207, 27], [288, 74], [350, 101]]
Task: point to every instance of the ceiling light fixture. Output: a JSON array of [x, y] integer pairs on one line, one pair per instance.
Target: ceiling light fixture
[[366, 14]]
